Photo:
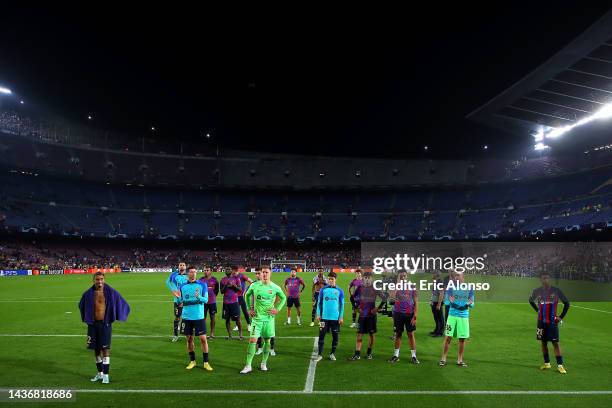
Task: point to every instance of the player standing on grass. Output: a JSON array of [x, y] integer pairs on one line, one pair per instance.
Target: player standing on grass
[[194, 295], [330, 313], [367, 315], [243, 280], [294, 286], [355, 283], [262, 296], [213, 290], [545, 300], [259, 339], [176, 279], [100, 306], [230, 287], [458, 321], [405, 310], [317, 283], [437, 301]]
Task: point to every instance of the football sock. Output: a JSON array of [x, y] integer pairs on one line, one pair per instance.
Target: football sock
[[192, 356], [266, 351], [105, 364], [546, 358], [250, 353], [559, 360], [205, 356]]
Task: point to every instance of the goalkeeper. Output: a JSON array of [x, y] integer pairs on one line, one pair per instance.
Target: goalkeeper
[[458, 322], [261, 299]]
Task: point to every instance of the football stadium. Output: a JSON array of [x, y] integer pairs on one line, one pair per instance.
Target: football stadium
[[330, 218]]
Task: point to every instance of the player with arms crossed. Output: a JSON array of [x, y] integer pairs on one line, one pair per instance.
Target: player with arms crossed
[[294, 286], [355, 283], [261, 298], [330, 314], [230, 287], [544, 300], [405, 310], [194, 295], [367, 315], [213, 290], [458, 322], [176, 279], [317, 283], [100, 306]]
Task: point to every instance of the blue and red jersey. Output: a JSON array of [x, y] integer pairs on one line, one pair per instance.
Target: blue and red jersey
[[230, 294], [293, 286], [367, 302], [213, 288], [405, 300], [545, 301], [355, 283]]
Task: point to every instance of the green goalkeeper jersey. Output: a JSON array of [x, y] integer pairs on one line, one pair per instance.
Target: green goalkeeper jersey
[[264, 297]]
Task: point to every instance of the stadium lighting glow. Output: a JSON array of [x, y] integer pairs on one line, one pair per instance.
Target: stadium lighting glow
[[89, 117], [541, 146], [485, 147], [5, 91], [604, 113], [21, 102], [426, 148]]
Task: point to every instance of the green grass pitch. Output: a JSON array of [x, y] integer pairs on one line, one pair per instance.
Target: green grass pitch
[[502, 354]]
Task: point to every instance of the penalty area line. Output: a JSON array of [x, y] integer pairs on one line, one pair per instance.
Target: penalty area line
[[312, 367], [594, 310]]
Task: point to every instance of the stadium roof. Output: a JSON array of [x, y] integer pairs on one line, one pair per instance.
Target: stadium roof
[[570, 87]]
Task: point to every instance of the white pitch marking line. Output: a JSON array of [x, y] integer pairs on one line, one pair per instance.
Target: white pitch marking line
[[340, 392], [588, 308], [312, 367]]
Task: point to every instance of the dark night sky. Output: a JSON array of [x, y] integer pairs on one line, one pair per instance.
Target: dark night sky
[[375, 84]]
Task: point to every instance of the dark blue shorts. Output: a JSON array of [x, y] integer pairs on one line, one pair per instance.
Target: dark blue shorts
[[231, 311], [99, 335], [327, 326], [293, 302], [189, 326], [210, 308], [547, 331], [367, 324]]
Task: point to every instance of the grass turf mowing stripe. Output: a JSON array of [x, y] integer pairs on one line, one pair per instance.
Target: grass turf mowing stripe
[[338, 392]]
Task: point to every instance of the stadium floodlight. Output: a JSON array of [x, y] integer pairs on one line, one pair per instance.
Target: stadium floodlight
[[89, 117], [21, 102], [425, 147], [485, 147], [604, 113], [5, 91]]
